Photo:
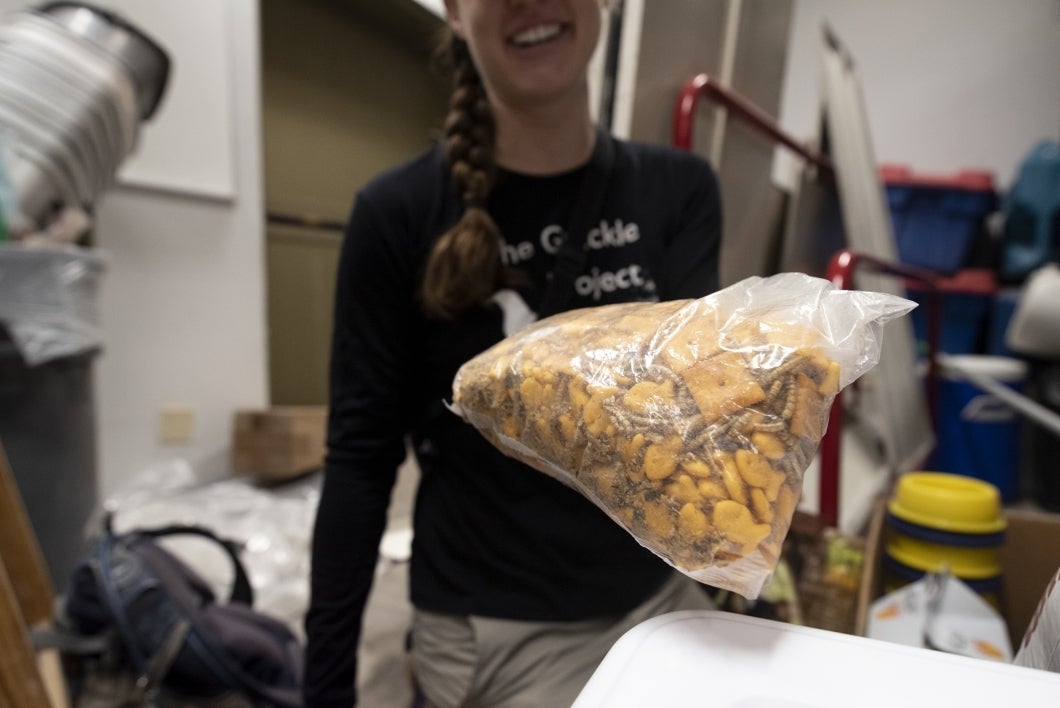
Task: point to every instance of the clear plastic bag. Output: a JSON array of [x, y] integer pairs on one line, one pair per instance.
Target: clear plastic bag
[[49, 298], [691, 422]]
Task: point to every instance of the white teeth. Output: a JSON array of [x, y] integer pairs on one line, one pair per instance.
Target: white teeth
[[535, 35]]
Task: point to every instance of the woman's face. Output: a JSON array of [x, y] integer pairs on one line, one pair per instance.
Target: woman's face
[[529, 51]]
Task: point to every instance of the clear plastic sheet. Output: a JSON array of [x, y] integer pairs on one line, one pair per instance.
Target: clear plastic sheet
[[690, 423]]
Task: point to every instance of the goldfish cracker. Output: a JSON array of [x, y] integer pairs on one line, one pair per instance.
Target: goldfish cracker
[[731, 478]]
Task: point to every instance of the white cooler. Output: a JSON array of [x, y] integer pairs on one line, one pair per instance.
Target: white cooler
[[725, 660]]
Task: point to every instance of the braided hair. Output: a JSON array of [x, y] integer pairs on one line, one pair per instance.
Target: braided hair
[[463, 269]]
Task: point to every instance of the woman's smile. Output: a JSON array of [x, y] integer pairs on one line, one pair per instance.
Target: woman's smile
[[538, 34]]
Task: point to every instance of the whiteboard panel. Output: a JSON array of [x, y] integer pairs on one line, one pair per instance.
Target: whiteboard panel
[[187, 145]]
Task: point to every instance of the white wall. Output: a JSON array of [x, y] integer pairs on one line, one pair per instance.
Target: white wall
[[183, 303], [948, 84]]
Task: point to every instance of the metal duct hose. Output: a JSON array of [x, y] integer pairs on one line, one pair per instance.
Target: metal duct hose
[[75, 83]]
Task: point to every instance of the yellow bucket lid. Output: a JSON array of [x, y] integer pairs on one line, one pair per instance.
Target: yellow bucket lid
[[949, 502]]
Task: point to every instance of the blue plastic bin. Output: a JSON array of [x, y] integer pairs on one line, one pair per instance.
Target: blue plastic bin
[[936, 219]]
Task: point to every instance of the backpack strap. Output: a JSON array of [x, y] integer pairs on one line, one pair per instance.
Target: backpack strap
[[68, 641], [242, 591], [163, 659], [102, 568], [570, 260]]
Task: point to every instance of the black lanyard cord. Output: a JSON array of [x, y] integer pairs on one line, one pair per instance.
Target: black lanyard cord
[[570, 260]]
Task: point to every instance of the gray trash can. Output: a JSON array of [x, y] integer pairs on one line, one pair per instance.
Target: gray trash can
[[48, 430], [49, 339]]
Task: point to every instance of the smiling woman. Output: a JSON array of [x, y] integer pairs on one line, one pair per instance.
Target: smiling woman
[[521, 101], [519, 584]]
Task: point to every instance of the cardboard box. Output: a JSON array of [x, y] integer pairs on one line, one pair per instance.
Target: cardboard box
[[1029, 558], [278, 443]]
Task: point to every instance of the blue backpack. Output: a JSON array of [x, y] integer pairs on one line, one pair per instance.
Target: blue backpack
[[131, 598], [1032, 214]]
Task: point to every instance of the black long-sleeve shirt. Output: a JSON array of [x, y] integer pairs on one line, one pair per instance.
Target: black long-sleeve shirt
[[492, 537]]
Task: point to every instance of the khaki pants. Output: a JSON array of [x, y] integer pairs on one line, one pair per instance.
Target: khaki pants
[[481, 662]]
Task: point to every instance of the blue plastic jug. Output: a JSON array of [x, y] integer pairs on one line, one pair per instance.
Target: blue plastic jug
[[1032, 214]]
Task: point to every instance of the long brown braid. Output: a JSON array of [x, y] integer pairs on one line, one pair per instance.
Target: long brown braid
[[464, 269]]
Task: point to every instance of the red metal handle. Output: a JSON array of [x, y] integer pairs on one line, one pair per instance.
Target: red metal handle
[[702, 85], [841, 272]]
